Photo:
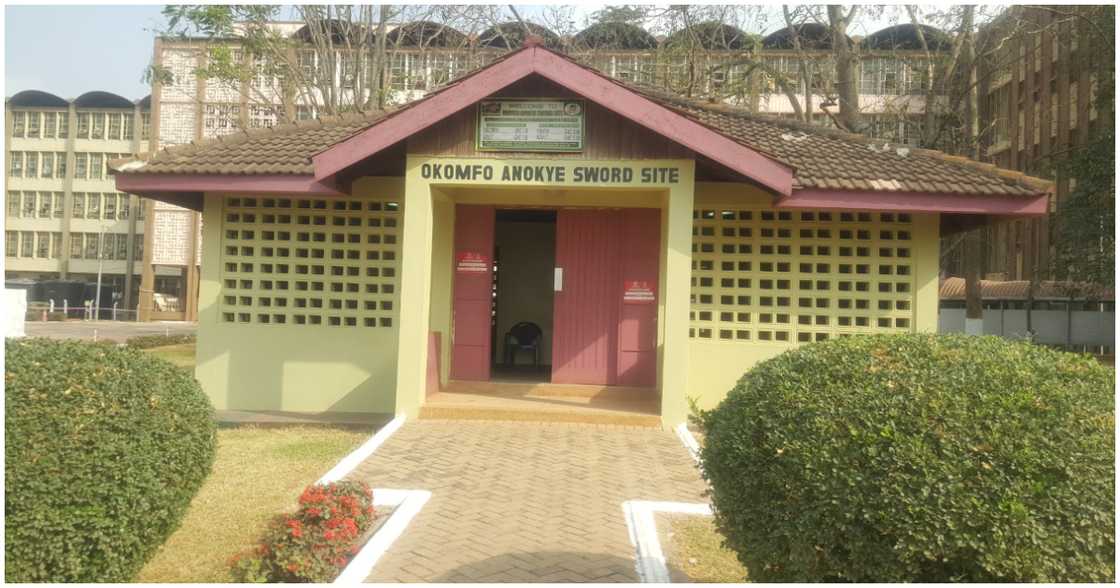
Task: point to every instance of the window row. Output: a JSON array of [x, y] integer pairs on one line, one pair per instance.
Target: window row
[[32, 245], [35, 164], [113, 126], [35, 204], [106, 206], [89, 205], [48, 245], [45, 125]]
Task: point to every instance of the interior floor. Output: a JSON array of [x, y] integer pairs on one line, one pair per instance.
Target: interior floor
[[520, 373]]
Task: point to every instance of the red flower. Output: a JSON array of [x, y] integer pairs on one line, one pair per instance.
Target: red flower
[[328, 535], [296, 527], [293, 567]]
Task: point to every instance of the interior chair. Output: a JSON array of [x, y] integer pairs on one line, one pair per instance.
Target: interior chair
[[524, 336]]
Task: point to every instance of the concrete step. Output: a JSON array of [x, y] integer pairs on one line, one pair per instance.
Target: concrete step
[[546, 389], [496, 413]]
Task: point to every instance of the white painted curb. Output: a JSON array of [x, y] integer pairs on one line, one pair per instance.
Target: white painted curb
[[348, 463], [406, 503], [642, 526], [689, 441]]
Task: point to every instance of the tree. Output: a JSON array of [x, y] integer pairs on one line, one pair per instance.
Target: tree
[[338, 62]]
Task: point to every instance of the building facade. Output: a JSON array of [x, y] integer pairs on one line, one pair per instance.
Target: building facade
[[64, 217], [1038, 85], [370, 263]]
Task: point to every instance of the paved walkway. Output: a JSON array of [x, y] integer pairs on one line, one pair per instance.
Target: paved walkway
[[524, 502]]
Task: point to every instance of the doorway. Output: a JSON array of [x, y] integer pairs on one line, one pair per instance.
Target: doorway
[[522, 327], [565, 296]]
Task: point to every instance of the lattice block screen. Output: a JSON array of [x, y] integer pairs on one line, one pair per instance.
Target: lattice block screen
[[793, 277], [310, 261]]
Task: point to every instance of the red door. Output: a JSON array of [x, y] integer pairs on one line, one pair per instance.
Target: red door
[[474, 247], [604, 317]]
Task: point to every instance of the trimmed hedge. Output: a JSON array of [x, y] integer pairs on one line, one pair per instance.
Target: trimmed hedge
[[151, 341], [917, 458], [105, 448]]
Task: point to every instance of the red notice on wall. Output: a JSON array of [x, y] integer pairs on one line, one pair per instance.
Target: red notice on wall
[[637, 292], [471, 262]]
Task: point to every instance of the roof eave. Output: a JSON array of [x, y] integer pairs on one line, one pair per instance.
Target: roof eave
[[899, 201]]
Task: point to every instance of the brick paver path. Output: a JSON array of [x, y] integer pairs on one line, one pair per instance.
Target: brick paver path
[[524, 502]]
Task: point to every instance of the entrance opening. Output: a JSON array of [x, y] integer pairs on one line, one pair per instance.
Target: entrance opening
[[521, 315]]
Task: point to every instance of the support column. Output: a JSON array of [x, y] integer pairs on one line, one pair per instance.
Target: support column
[[675, 287], [416, 273], [147, 272]]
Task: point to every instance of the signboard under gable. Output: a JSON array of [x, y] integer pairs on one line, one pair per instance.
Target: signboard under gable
[[530, 125]]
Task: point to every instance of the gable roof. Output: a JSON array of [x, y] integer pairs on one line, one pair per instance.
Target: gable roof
[[818, 158], [584, 81]]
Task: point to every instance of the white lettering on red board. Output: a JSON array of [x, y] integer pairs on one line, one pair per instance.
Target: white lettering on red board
[[637, 292], [471, 262]]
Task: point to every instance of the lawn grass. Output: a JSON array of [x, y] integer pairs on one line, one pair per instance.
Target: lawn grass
[[696, 549], [258, 473], [181, 355]]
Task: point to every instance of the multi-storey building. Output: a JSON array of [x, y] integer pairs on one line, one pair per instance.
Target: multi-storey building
[[714, 60], [1038, 84], [64, 217]]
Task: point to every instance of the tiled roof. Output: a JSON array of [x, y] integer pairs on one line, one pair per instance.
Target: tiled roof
[[822, 158], [283, 149], [836, 160]]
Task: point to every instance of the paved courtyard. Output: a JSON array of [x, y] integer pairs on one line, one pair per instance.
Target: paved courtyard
[[524, 502], [118, 331]]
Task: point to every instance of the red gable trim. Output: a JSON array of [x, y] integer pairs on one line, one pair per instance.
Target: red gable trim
[[248, 184], [915, 202], [593, 86]]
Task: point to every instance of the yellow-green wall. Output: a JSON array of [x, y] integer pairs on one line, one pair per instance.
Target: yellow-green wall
[[706, 339], [249, 365], [716, 363]]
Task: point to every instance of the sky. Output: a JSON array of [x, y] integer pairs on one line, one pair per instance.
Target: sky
[[70, 50]]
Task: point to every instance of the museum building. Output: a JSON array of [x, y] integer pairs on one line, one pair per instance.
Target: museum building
[[538, 223]]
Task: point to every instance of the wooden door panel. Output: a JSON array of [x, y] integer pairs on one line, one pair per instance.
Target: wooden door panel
[[472, 297], [584, 320]]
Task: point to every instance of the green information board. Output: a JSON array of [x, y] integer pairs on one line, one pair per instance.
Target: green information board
[[530, 125]]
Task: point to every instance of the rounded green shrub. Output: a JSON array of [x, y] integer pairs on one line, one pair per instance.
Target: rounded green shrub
[[105, 447], [917, 458]]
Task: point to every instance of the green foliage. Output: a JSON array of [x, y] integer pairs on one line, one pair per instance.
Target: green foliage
[[105, 448], [1085, 247], [622, 13], [1085, 223], [315, 543], [917, 458], [150, 341]]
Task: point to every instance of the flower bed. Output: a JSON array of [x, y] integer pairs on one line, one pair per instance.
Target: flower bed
[[315, 543]]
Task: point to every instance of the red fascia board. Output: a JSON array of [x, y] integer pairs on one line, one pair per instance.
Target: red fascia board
[[915, 202], [425, 113], [245, 184], [601, 90]]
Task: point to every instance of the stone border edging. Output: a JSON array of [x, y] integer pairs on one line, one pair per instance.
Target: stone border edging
[[650, 559], [348, 463], [689, 442], [406, 504]]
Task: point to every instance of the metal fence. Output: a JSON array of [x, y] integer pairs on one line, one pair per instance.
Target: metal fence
[[1074, 325]]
